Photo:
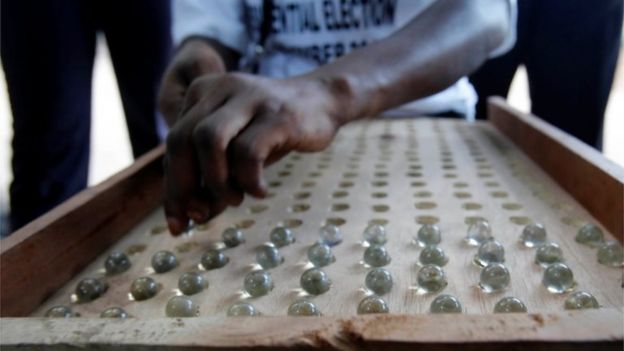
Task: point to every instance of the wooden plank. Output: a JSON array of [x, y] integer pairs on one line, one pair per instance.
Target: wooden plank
[[582, 330], [42, 256], [594, 181]]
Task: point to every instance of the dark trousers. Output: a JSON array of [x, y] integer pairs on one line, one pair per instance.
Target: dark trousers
[[47, 49], [570, 50]]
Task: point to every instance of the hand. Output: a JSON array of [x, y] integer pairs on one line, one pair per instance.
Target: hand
[[232, 126], [196, 57]]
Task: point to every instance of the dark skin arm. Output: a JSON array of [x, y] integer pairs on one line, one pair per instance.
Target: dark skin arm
[[231, 125]]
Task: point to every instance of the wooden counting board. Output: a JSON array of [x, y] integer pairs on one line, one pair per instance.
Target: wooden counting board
[[398, 173]]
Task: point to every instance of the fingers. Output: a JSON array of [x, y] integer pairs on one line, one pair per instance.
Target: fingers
[[184, 197], [171, 96], [250, 151]]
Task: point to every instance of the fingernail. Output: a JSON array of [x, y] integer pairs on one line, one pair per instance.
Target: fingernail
[[175, 226]]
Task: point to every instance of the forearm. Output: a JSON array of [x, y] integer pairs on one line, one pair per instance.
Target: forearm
[[446, 42]]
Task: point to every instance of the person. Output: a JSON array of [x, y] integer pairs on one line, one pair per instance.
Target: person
[[47, 50], [570, 50], [319, 65]]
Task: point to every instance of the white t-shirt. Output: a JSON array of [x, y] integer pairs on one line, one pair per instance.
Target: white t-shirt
[[307, 33]]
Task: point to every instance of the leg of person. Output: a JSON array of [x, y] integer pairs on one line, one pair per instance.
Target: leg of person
[[495, 76], [571, 62], [47, 55], [139, 39]]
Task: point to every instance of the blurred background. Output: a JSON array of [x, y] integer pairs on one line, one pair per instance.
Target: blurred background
[[111, 150]]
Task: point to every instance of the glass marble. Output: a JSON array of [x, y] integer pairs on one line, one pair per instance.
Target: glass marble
[[431, 278], [494, 277], [611, 254], [590, 235], [258, 283], [534, 234], [164, 261], [268, 256], [90, 289], [303, 308], [580, 300], [59, 312], [432, 255], [478, 232], [445, 304], [330, 235], [315, 281], [509, 304], [191, 283], [320, 255], [490, 251], [558, 278], [375, 234], [376, 256], [181, 306], [242, 309], [373, 304], [428, 234], [379, 281], [232, 237], [282, 236], [547, 254], [114, 312], [143, 288], [213, 259], [117, 262]]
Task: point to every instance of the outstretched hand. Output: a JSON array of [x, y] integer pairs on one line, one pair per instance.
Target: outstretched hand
[[230, 127]]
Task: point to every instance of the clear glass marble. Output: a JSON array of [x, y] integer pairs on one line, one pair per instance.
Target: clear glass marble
[[490, 251], [373, 304], [90, 289], [315, 281], [114, 312], [547, 254], [232, 237], [611, 254], [478, 232], [509, 304], [242, 309], [431, 278], [590, 235], [494, 277], [376, 256], [181, 306], [258, 283], [303, 308], [534, 234], [445, 304], [214, 259], [320, 255], [117, 262], [330, 235], [580, 300], [282, 236], [268, 256], [558, 278], [59, 312], [143, 288], [164, 261], [428, 234], [375, 234], [191, 283], [433, 255], [379, 281]]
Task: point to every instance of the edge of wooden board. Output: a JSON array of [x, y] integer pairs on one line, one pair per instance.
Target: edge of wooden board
[[594, 181], [577, 329], [39, 258]]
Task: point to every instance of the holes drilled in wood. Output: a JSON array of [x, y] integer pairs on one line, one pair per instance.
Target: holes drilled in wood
[[283, 174], [460, 185], [450, 175], [300, 207], [335, 221], [381, 208], [291, 223], [379, 195], [315, 174], [379, 183], [339, 207], [427, 219], [473, 219], [378, 221], [339, 194], [492, 184], [462, 195], [512, 206], [159, 229], [417, 184], [350, 175], [258, 208], [499, 194], [423, 194], [425, 205], [302, 195], [520, 220], [308, 184], [414, 174], [245, 223], [381, 174], [472, 206], [275, 184]]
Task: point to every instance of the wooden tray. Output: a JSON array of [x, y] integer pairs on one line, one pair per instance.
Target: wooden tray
[[399, 172]]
